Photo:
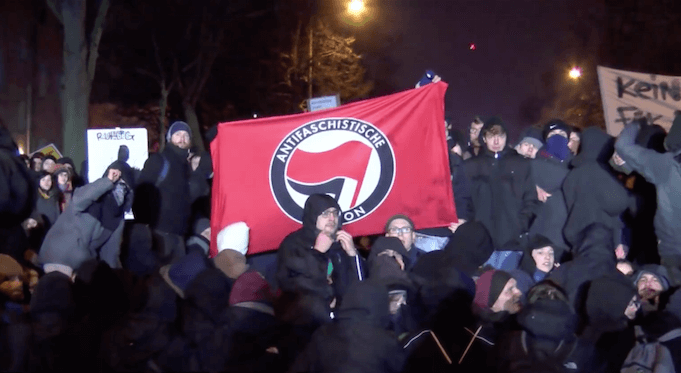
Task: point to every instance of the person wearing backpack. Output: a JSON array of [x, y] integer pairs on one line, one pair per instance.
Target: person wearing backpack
[[162, 196], [658, 345]]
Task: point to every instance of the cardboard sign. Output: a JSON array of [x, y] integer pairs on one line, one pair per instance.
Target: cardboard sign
[[628, 96], [103, 146], [50, 149]]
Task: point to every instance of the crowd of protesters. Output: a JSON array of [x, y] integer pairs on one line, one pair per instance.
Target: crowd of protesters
[[565, 257]]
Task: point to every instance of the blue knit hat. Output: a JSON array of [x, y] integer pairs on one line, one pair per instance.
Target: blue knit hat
[[178, 126]]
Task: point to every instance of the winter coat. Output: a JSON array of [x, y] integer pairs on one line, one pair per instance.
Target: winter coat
[[549, 174], [461, 187], [592, 193], [47, 206], [302, 269], [91, 227], [163, 192], [663, 170], [357, 341], [503, 193]]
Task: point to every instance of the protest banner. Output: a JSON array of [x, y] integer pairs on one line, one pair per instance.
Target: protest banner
[[103, 146], [49, 149], [376, 157], [628, 96]]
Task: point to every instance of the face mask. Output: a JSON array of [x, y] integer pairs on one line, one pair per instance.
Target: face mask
[[556, 145], [625, 169]]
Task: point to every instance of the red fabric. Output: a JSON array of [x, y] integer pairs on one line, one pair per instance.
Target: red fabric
[[482, 288], [245, 153]]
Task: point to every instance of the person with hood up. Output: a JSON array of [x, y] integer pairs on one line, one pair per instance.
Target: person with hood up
[[664, 171], [604, 339], [357, 340], [92, 225], [592, 193], [550, 168], [319, 258], [539, 259], [63, 177], [651, 281], [47, 203], [502, 187]]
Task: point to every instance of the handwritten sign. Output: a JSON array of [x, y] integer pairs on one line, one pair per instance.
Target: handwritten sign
[[103, 146], [50, 149], [628, 96]]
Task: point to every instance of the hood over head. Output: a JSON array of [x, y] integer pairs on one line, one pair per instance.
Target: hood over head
[[470, 247], [596, 146], [607, 299], [537, 241], [315, 205], [656, 270], [651, 137], [127, 173], [366, 302]]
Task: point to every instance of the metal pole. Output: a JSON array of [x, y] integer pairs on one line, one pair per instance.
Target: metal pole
[[29, 111], [309, 78]]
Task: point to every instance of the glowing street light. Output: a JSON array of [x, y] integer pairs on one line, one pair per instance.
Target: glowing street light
[[575, 73], [356, 7]]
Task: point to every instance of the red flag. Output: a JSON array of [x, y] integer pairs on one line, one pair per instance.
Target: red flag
[[377, 158]]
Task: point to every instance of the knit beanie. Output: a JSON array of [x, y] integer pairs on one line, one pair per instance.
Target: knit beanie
[[556, 124], [656, 270], [489, 286], [9, 267], [533, 136], [398, 216], [178, 126], [235, 237], [251, 287]]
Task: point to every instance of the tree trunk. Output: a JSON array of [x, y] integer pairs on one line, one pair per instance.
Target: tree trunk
[[163, 106], [193, 122], [75, 97]]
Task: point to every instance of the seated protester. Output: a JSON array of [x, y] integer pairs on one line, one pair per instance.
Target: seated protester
[[358, 339], [540, 258], [63, 177], [547, 336], [550, 168], [388, 258], [315, 266], [660, 326], [626, 267], [92, 225], [468, 248], [651, 281], [402, 227], [497, 300], [530, 142], [47, 203], [232, 243], [610, 304]]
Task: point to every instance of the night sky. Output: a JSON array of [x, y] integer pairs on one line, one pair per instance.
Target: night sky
[[516, 43]]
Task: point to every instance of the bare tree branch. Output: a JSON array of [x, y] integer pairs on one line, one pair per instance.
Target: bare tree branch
[[95, 37], [56, 10], [149, 74]]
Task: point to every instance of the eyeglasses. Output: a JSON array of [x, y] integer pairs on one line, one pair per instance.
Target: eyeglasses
[[330, 213], [397, 231]]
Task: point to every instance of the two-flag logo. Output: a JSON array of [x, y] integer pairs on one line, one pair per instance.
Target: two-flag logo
[[346, 158]]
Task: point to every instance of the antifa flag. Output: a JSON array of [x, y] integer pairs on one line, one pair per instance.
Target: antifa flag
[[377, 158]]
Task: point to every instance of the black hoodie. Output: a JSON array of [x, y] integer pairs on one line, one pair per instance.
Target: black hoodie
[[302, 269], [503, 191], [358, 340], [592, 193]]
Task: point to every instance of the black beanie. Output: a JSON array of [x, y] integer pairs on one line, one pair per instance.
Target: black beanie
[[673, 140], [499, 280], [556, 124]]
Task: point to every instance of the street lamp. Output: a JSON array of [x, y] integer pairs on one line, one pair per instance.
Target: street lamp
[[575, 73], [356, 7]]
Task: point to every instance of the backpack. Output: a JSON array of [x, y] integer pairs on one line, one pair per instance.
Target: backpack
[[650, 356]]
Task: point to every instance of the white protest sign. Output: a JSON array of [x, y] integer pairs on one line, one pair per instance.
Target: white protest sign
[[321, 103], [103, 146], [628, 96]]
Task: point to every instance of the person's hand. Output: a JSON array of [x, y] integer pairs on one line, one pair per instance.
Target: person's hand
[[30, 223], [346, 242], [436, 79], [542, 195], [398, 258], [617, 159], [206, 233], [454, 226], [620, 253], [114, 175], [323, 243]]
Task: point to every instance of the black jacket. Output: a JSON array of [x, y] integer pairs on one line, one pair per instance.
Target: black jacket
[[549, 174], [162, 195], [503, 193], [592, 193], [358, 340]]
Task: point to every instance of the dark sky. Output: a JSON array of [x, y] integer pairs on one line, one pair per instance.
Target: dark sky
[[516, 42]]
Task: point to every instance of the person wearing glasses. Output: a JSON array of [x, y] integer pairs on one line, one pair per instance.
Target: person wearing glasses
[[402, 227]]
